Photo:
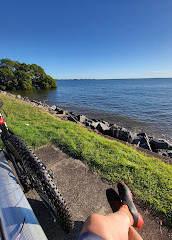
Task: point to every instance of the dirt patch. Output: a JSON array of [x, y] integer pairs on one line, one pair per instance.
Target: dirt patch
[[84, 192]]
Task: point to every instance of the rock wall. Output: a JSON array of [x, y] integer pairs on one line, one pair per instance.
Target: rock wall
[[159, 146]]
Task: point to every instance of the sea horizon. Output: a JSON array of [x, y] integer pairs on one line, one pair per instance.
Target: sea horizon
[[110, 78]]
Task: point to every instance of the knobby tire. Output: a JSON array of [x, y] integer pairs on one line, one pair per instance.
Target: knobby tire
[[42, 181]]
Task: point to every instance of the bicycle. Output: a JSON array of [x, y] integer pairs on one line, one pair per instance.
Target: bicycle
[[32, 173]]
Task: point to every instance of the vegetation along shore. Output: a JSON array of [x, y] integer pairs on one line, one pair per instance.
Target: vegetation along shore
[[21, 76], [149, 177]]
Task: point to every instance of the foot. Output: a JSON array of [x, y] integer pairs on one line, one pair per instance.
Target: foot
[[128, 204]]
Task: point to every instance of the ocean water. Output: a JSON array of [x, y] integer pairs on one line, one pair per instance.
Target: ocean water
[[137, 104]]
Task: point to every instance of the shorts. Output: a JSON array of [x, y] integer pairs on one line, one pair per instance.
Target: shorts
[[90, 236]]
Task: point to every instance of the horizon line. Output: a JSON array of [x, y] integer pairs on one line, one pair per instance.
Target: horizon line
[[111, 78]]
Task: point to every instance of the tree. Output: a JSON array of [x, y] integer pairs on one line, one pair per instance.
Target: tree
[[24, 80], [6, 75], [18, 76], [8, 64]]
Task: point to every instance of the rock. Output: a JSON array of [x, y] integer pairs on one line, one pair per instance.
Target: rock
[[34, 101], [120, 133], [81, 118], [26, 99], [142, 140], [71, 118], [125, 135], [87, 124], [103, 128], [136, 142], [95, 120], [114, 131], [94, 125], [162, 152], [60, 111], [73, 114], [170, 154], [160, 144], [18, 96], [104, 122], [142, 135], [40, 103], [53, 108]]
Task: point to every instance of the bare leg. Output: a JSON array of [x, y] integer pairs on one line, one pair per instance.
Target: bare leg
[[133, 234], [117, 225], [113, 226]]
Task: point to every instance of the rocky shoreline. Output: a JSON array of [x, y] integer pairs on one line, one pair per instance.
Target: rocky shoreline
[[159, 146]]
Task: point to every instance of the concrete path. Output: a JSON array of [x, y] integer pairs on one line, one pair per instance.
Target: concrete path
[[84, 193]]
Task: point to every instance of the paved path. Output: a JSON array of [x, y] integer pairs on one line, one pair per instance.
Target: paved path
[[84, 193]]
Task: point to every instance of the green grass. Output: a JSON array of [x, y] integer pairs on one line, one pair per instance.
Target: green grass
[[149, 179]]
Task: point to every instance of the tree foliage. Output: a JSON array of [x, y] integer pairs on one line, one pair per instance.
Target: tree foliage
[[19, 76]]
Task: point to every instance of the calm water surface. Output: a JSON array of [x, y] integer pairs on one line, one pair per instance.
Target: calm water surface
[[137, 104]]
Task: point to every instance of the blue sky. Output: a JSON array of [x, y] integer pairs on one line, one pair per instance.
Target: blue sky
[[89, 38]]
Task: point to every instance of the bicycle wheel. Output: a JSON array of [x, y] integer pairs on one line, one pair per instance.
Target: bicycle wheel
[[42, 181]]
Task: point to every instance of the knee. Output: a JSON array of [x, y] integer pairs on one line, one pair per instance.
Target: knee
[[97, 224], [96, 219]]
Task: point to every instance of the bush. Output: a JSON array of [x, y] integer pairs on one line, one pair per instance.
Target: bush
[[19, 76]]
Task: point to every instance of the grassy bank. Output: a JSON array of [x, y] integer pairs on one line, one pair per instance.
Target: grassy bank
[[149, 179]]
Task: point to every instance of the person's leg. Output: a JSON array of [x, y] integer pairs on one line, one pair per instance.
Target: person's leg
[[115, 203], [133, 234], [113, 226], [116, 226], [124, 201]]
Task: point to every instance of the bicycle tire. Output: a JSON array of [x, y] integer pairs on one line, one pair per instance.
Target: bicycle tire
[[42, 181]]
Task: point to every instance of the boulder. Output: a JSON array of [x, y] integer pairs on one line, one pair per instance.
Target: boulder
[[120, 133], [26, 99], [103, 128], [160, 144], [18, 96], [81, 118], [105, 123], [125, 135], [142, 140], [94, 125], [95, 120], [60, 111], [72, 114], [34, 101], [170, 154], [53, 108], [136, 142], [71, 118], [162, 152], [39, 103], [87, 124]]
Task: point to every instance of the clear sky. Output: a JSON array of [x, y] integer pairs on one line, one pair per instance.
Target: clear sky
[[89, 38]]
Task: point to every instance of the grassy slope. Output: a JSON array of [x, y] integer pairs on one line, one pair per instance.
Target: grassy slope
[[149, 179]]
